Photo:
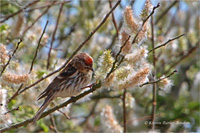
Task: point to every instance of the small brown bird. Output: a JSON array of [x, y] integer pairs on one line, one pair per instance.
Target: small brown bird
[[76, 75]]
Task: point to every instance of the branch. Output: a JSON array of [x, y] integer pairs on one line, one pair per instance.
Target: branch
[[91, 112], [182, 58], [36, 51], [116, 58], [53, 127], [113, 19], [4, 68], [44, 114], [37, 19], [53, 36], [57, 3], [164, 12], [166, 42], [154, 8], [17, 108], [154, 87], [12, 15], [17, 92], [80, 46], [124, 109], [158, 80]]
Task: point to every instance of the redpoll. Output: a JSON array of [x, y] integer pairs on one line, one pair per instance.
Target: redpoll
[[76, 75]]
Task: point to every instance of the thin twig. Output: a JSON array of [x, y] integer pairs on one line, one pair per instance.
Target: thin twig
[[76, 51], [124, 109], [67, 117], [154, 8], [17, 108], [116, 57], [183, 57], [37, 19], [36, 51], [159, 79], [165, 11], [113, 19], [54, 128], [115, 36], [12, 15], [4, 68], [57, 3], [91, 112], [154, 87], [53, 36], [166, 43], [56, 49], [16, 93], [44, 114]]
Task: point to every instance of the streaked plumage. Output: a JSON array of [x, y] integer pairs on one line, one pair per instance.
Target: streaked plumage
[[76, 75]]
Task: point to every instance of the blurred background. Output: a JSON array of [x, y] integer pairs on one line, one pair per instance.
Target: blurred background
[[177, 108]]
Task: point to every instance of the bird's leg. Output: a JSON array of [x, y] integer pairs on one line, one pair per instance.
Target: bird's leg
[[89, 86]]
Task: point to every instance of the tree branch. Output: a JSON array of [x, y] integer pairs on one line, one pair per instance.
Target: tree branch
[[164, 12], [12, 15], [166, 42], [159, 79], [53, 36], [44, 114], [4, 68], [124, 109], [113, 19], [116, 58], [154, 8], [36, 51], [57, 3]]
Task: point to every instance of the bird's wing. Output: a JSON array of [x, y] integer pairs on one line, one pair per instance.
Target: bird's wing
[[65, 74]]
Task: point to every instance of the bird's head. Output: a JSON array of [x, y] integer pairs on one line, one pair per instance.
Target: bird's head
[[83, 62]]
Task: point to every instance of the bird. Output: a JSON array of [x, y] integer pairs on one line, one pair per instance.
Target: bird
[[69, 82]]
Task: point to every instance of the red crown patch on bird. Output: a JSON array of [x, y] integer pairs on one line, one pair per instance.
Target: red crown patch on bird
[[88, 60]]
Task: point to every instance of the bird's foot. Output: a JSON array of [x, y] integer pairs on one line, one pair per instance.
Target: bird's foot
[[89, 86]]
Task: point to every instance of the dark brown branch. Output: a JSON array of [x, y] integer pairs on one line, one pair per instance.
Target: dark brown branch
[[17, 108], [116, 58], [67, 117], [144, 21], [154, 87], [53, 127], [12, 15], [44, 114], [37, 19], [56, 49], [4, 68], [91, 112], [57, 3], [182, 58], [53, 36], [36, 51], [115, 36], [124, 109], [80, 46], [166, 43], [159, 79], [16, 93], [113, 19], [164, 12]]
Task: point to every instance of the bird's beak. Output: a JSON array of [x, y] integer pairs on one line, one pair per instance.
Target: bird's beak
[[92, 69]]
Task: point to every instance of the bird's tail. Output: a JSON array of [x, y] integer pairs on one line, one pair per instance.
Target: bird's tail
[[42, 108]]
